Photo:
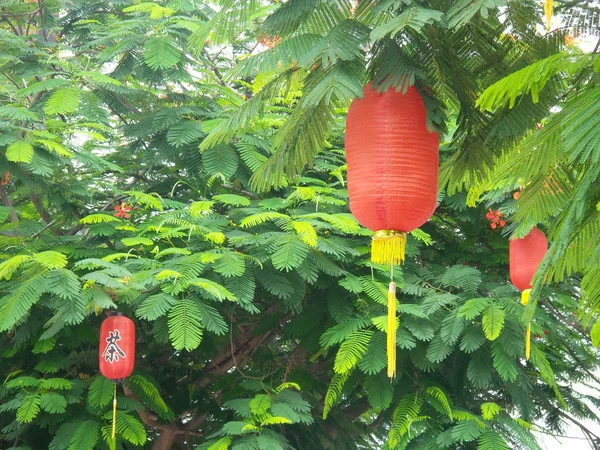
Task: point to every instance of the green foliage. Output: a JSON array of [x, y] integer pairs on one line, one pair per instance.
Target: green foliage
[[141, 144]]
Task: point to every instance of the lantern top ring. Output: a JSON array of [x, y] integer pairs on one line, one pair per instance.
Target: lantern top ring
[[382, 234]]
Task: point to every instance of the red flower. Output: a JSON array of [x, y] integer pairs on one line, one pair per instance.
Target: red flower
[[268, 41], [5, 178], [517, 194], [495, 218], [122, 210]]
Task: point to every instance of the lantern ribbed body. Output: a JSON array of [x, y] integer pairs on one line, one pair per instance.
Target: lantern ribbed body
[[525, 256], [117, 347], [392, 160]]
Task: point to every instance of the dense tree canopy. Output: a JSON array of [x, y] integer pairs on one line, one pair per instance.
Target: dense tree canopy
[[183, 162]]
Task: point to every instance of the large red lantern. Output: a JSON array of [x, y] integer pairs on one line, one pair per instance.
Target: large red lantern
[[525, 256], [392, 177], [117, 353]]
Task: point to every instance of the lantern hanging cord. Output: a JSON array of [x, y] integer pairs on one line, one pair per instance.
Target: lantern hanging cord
[[524, 301], [114, 422], [391, 331]]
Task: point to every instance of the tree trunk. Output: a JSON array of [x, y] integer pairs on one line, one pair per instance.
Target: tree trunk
[[166, 439]]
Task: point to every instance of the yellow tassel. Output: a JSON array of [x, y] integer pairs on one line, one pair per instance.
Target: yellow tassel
[[548, 11], [114, 424], [524, 301], [388, 247], [391, 331]]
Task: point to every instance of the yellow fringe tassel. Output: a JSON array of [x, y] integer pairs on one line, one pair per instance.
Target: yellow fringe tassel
[[391, 331], [388, 247], [548, 11], [524, 301], [114, 424]]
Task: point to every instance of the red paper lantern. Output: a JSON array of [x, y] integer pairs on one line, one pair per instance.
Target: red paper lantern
[[392, 164], [525, 256], [392, 177], [117, 347]]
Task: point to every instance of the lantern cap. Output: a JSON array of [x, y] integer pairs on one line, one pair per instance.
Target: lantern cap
[[116, 313]]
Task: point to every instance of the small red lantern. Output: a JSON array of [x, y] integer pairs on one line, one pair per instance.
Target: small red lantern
[[392, 177], [117, 353], [117, 347], [525, 256]]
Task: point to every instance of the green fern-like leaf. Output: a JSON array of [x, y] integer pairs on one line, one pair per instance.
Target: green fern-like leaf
[[20, 151], [291, 253], [62, 101], [53, 403], [29, 408], [155, 306], [160, 53], [212, 320], [184, 133], [415, 17], [493, 321], [334, 391], [405, 413], [17, 304], [351, 351], [100, 393], [128, 427], [185, 326], [85, 436], [492, 441]]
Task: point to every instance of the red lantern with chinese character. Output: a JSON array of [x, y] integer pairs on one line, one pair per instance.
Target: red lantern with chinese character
[[117, 353], [117, 347], [392, 176], [525, 257]]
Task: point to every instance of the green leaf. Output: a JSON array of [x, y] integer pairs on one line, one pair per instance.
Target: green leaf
[[29, 409], [20, 151], [595, 334], [489, 410], [221, 159], [379, 392], [132, 241], [212, 288], [491, 440], [128, 427], [466, 431], [291, 253], [184, 133], [232, 199], [99, 218], [415, 17], [100, 393], [160, 53], [351, 351], [53, 403], [375, 358], [155, 306], [85, 436], [51, 259], [230, 264], [493, 321], [260, 404], [405, 413], [62, 101], [185, 327], [212, 320]]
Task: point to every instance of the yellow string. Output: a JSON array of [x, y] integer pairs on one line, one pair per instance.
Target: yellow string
[[388, 247], [391, 331], [524, 301], [114, 423], [548, 11]]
